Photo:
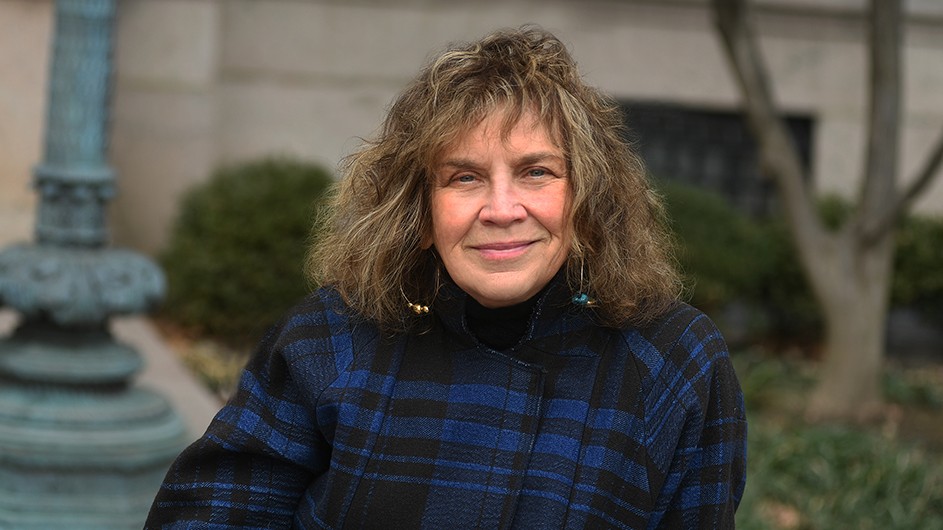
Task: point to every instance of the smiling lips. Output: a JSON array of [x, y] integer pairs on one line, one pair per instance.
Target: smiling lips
[[503, 250]]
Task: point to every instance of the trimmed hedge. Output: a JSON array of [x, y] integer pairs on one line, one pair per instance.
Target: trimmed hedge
[[724, 256], [729, 258], [918, 265], [236, 253]]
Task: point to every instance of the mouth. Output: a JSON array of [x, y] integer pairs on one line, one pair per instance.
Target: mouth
[[503, 250]]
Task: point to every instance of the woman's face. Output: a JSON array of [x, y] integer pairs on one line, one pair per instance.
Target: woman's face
[[499, 210]]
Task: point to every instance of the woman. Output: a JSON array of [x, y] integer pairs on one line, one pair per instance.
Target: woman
[[498, 342]]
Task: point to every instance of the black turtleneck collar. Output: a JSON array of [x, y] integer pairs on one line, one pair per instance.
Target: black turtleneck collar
[[533, 319], [501, 327]]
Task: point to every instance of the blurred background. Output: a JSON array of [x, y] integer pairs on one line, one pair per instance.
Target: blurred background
[[229, 117]]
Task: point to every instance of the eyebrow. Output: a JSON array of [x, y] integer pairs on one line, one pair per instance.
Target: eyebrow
[[524, 160]]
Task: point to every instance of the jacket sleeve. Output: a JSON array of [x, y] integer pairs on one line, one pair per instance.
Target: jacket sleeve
[[707, 474], [251, 467]]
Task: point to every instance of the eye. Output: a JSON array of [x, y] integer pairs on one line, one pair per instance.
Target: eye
[[536, 172], [465, 178]]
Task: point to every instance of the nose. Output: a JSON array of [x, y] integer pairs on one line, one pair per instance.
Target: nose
[[503, 205]]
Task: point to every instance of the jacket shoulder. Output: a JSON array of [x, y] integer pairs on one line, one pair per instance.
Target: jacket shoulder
[[313, 342], [680, 351]]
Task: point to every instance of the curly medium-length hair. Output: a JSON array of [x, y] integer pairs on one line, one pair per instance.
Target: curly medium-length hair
[[372, 248]]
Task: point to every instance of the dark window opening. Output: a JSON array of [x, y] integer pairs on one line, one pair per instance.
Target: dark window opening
[[710, 149]]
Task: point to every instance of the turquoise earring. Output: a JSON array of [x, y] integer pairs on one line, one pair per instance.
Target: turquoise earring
[[581, 298]]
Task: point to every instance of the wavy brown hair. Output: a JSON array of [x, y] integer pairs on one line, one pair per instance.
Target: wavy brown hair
[[372, 249]]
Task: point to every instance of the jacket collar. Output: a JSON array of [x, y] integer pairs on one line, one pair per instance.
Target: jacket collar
[[554, 312]]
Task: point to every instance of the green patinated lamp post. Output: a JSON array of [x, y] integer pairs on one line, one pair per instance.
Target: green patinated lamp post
[[80, 447]]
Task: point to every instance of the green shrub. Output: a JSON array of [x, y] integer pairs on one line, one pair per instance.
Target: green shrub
[[822, 477], [794, 312], [727, 257], [913, 388], [811, 477], [834, 211], [235, 256], [773, 384], [918, 266], [723, 255]]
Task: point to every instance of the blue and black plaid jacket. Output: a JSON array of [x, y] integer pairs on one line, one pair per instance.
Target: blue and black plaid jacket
[[337, 425]]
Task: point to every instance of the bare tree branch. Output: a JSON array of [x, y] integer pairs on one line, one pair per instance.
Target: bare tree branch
[[882, 206], [926, 175], [930, 170], [778, 154], [879, 191]]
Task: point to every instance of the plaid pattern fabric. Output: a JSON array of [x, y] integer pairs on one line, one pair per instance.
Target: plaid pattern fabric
[[336, 425]]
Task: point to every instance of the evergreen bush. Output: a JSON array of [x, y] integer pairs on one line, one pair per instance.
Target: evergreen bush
[[234, 261], [727, 258], [918, 265], [723, 255], [794, 313]]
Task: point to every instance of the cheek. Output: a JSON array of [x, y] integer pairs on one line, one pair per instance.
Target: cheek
[[442, 227], [560, 218], [553, 212]]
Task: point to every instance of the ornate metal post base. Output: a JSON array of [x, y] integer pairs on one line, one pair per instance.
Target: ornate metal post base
[[79, 446], [78, 449]]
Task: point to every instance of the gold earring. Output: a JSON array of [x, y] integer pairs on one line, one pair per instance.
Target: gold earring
[[418, 309]]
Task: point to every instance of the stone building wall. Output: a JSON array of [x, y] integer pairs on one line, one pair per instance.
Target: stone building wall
[[25, 27]]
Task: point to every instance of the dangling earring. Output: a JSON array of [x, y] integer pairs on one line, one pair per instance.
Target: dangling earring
[[421, 309], [581, 298], [418, 309]]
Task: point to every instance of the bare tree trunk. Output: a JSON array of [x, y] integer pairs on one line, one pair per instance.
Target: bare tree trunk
[[854, 291], [850, 271], [855, 302]]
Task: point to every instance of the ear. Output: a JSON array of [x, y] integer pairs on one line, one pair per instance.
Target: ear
[[426, 242]]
